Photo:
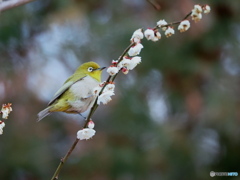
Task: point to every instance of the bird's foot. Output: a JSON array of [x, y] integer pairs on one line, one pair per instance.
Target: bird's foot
[[85, 118]]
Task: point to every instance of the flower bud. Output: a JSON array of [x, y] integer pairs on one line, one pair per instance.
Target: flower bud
[[125, 70], [206, 9], [169, 32], [91, 124], [162, 23], [184, 26]]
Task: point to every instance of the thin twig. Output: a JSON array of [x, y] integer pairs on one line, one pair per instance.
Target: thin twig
[[154, 4], [187, 15], [5, 5], [173, 23], [63, 160], [125, 51], [121, 58]]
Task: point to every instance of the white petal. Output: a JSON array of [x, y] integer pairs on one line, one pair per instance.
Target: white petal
[[126, 62], [135, 50], [206, 9], [134, 62], [119, 66], [196, 16], [109, 87], [169, 32], [136, 40], [2, 125], [91, 124], [5, 114], [137, 36], [85, 133], [162, 23], [112, 71], [105, 97], [6, 109], [197, 8], [149, 34], [114, 61], [184, 26]]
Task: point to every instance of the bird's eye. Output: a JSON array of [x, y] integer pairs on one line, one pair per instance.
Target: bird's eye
[[90, 69]]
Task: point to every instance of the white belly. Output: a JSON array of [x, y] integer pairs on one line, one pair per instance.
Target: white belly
[[82, 91]]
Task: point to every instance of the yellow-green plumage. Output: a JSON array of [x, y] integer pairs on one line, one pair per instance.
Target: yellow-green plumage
[[75, 96]]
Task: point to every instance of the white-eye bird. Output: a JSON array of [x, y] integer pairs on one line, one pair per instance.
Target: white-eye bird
[[75, 96]]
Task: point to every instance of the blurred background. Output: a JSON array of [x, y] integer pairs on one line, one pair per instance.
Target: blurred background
[[176, 116]]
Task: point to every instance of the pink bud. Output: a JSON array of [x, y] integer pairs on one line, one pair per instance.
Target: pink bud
[[91, 124], [114, 62], [125, 70]]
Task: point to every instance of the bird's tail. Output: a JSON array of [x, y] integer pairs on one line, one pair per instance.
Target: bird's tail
[[42, 114]]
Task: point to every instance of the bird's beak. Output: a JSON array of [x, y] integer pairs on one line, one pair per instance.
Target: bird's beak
[[100, 69]]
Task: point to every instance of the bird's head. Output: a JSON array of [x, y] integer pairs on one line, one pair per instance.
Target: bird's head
[[92, 69]]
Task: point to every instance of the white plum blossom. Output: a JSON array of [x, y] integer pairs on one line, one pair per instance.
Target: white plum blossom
[[2, 125], [85, 133], [114, 62], [119, 66], [109, 87], [206, 9], [135, 40], [125, 62], [129, 64], [184, 26], [91, 124], [105, 97], [6, 109], [150, 34], [137, 36], [197, 13], [112, 70], [162, 23], [196, 16], [197, 8], [5, 114], [135, 50], [169, 32], [134, 62]]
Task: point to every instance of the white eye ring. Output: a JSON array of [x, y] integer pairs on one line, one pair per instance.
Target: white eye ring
[[90, 69]]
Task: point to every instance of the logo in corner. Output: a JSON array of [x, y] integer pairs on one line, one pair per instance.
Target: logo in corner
[[212, 173]]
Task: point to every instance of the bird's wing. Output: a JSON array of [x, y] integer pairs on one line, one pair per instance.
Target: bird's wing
[[63, 89]]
